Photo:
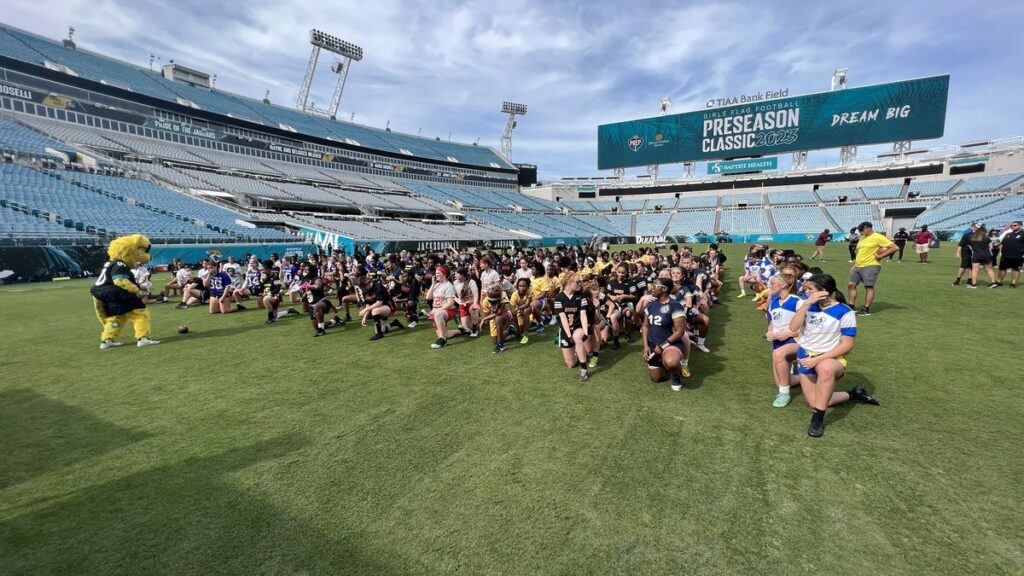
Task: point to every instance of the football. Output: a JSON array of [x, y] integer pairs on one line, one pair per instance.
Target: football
[[183, 329]]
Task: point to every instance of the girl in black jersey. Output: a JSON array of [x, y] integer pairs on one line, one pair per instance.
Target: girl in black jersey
[[570, 308]]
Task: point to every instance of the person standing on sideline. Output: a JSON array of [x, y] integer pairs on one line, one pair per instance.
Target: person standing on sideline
[[819, 245], [922, 243], [900, 238], [1013, 253], [870, 251], [963, 252], [981, 255], [852, 241]]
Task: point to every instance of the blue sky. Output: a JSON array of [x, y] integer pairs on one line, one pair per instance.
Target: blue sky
[[444, 67]]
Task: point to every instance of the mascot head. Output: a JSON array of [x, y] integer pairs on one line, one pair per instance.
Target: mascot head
[[132, 250]]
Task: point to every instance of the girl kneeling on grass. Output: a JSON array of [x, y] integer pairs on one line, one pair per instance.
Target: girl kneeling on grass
[[826, 328], [782, 306]]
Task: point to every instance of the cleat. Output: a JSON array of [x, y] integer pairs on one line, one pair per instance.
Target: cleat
[[971, 286], [956, 282], [741, 296], [375, 337], [319, 333], [552, 321], [685, 370], [677, 387], [181, 306], [781, 401], [584, 376], [995, 284], [498, 349], [861, 395], [412, 324], [109, 344], [145, 341], [525, 339], [440, 343], [864, 312], [629, 337], [817, 427], [593, 362], [474, 334], [615, 343]]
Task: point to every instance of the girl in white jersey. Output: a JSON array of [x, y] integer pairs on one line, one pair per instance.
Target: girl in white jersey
[[782, 306], [826, 329]]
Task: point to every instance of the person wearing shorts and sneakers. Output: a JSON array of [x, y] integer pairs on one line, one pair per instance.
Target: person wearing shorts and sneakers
[[1013, 254], [922, 244], [963, 252], [871, 248]]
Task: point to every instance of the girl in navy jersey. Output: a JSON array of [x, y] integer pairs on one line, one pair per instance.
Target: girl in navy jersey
[[664, 334], [826, 329], [219, 285], [782, 306]]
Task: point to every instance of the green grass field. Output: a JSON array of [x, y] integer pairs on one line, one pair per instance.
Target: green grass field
[[247, 449]]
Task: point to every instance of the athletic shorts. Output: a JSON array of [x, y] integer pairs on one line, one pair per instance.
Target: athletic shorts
[[981, 261], [1011, 263], [801, 354], [564, 341], [463, 311], [449, 315], [655, 361], [776, 344], [921, 248], [965, 262], [313, 306], [867, 275], [494, 325]]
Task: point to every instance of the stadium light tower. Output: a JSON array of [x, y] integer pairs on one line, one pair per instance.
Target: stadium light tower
[[654, 170], [347, 51], [847, 154], [513, 110]]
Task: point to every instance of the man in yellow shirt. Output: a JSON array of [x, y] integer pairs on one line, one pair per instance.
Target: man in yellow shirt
[[870, 251]]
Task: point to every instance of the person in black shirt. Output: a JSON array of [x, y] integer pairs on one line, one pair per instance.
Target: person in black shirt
[[315, 295], [622, 293], [1012, 242], [570, 308], [270, 292], [981, 255], [963, 252], [900, 238], [405, 295], [376, 305]]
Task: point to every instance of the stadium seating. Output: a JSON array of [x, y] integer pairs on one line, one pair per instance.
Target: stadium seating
[[992, 215], [698, 202], [578, 205], [933, 188], [17, 226], [651, 224], [833, 194], [752, 221], [604, 205], [988, 183], [21, 140], [633, 205], [780, 197], [952, 208], [621, 223], [800, 220], [882, 192], [750, 199], [851, 215], [691, 223]]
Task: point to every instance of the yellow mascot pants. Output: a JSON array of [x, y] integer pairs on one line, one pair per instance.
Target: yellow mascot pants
[[112, 325]]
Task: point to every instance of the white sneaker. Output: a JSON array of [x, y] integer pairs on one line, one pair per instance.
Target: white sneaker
[[553, 321], [474, 334], [677, 387], [146, 342], [702, 348], [109, 344], [411, 324]]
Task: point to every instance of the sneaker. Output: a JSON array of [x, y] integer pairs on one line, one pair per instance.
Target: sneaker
[[817, 427], [781, 401], [412, 324], [143, 342], [540, 330], [441, 342], [109, 344], [995, 284], [320, 332], [851, 261], [239, 307], [741, 295], [474, 334], [864, 312], [293, 312], [593, 362], [677, 384], [337, 321], [629, 337], [498, 349], [861, 395], [700, 346], [615, 343], [462, 331], [398, 325], [376, 337], [525, 339], [181, 306], [685, 371], [971, 286], [552, 321], [956, 282], [584, 376], [1013, 285]]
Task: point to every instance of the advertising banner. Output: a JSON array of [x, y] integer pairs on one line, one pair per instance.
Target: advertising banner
[[907, 110], [741, 166]]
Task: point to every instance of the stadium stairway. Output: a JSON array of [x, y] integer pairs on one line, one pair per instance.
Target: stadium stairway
[[771, 221]]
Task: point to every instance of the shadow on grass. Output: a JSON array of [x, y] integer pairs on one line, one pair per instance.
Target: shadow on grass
[[185, 518], [41, 435]]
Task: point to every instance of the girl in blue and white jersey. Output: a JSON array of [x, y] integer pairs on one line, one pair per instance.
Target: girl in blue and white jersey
[[782, 307], [826, 329]]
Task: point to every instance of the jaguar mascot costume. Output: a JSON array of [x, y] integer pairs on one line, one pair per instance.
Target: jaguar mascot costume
[[117, 296]]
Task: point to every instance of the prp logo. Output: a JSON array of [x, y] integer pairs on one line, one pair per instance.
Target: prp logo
[[635, 143]]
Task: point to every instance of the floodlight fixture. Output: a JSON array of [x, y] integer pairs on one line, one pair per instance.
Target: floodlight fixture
[[666, 105], [334, 44], [839, 79], [513, 108]]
